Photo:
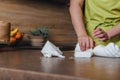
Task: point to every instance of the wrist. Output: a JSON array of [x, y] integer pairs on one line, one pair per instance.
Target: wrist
[[109, 35], [84, 35]]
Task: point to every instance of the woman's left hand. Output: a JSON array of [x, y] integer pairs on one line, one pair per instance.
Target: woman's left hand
[[100, 34]]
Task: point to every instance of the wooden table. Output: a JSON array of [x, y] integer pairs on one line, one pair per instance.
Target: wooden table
[[31, 65]]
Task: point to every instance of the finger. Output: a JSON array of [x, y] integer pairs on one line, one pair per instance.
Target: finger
[[83, 45], [102, 39], [97, 33], [80, 44], [97, 29], [87, 44], [100, 36], [91, 43]]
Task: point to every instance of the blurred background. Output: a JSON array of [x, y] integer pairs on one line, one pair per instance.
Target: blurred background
[[31, 14]]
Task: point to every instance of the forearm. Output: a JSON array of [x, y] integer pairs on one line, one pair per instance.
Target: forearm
[[77, 18], [114, 31]]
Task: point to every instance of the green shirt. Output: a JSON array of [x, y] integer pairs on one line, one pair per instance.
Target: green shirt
[[104, 14]]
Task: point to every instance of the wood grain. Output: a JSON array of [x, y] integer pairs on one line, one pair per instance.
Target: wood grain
[[31, 14], [30, 62]]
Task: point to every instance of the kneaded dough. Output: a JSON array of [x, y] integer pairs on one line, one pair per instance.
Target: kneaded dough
[[79, 53], [111, 50], [50, 50]]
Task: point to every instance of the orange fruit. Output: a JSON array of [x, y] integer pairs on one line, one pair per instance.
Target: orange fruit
[[18, 35], [12, 39]]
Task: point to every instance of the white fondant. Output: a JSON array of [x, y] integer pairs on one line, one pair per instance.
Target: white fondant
[[50, 50], [79, 53], [111, 50]]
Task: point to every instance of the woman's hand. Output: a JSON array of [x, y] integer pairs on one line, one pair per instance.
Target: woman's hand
[[100, 34], [77, 17], [85, 42]]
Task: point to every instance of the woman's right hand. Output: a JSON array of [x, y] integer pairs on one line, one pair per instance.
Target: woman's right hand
[[85, 42], [76, 7]]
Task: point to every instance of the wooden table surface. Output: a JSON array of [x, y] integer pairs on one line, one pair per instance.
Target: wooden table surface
[[68, 68]]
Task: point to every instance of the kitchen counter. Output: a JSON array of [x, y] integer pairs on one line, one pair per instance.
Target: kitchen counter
[[31, 65]]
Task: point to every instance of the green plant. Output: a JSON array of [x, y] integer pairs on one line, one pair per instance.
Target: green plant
[[41, 31]]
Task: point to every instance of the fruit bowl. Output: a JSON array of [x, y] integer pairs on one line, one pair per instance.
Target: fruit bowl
[[15, 36]]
